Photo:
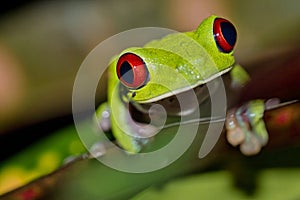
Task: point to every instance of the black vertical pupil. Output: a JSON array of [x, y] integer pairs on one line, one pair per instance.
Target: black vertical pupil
[[126, 72], [229, 32]]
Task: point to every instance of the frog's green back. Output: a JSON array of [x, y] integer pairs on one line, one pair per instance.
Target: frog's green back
[[198, 48]]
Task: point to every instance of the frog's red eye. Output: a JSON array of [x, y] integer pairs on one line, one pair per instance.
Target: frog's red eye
[[132, 71], [224, 34]]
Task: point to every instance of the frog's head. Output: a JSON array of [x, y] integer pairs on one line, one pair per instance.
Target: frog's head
[[177, 62]]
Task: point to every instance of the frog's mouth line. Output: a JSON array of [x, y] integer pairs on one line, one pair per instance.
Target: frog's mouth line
[[185, 89], [173, 107]]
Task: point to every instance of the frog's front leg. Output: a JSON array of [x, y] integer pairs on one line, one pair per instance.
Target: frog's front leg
[[245, 127]]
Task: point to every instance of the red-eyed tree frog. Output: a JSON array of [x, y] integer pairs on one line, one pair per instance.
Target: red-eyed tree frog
[[142, 76]]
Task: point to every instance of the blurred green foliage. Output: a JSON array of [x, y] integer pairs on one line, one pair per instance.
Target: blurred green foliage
[[273, 184]]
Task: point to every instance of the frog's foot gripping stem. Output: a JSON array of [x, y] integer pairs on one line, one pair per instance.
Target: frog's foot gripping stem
[[245, 127]]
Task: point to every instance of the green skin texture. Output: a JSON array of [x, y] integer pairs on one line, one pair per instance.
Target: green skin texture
[[199, 62]]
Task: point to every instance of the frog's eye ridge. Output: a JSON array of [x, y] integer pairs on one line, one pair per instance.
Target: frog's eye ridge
[[132, 71], [225, 35]]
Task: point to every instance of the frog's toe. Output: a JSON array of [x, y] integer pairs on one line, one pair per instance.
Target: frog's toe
[[235, 136], [104, 124], [251, 146], [103, 117], [98, 149]]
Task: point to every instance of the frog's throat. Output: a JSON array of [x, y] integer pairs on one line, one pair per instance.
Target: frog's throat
[[184, 89], [182, 104]]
